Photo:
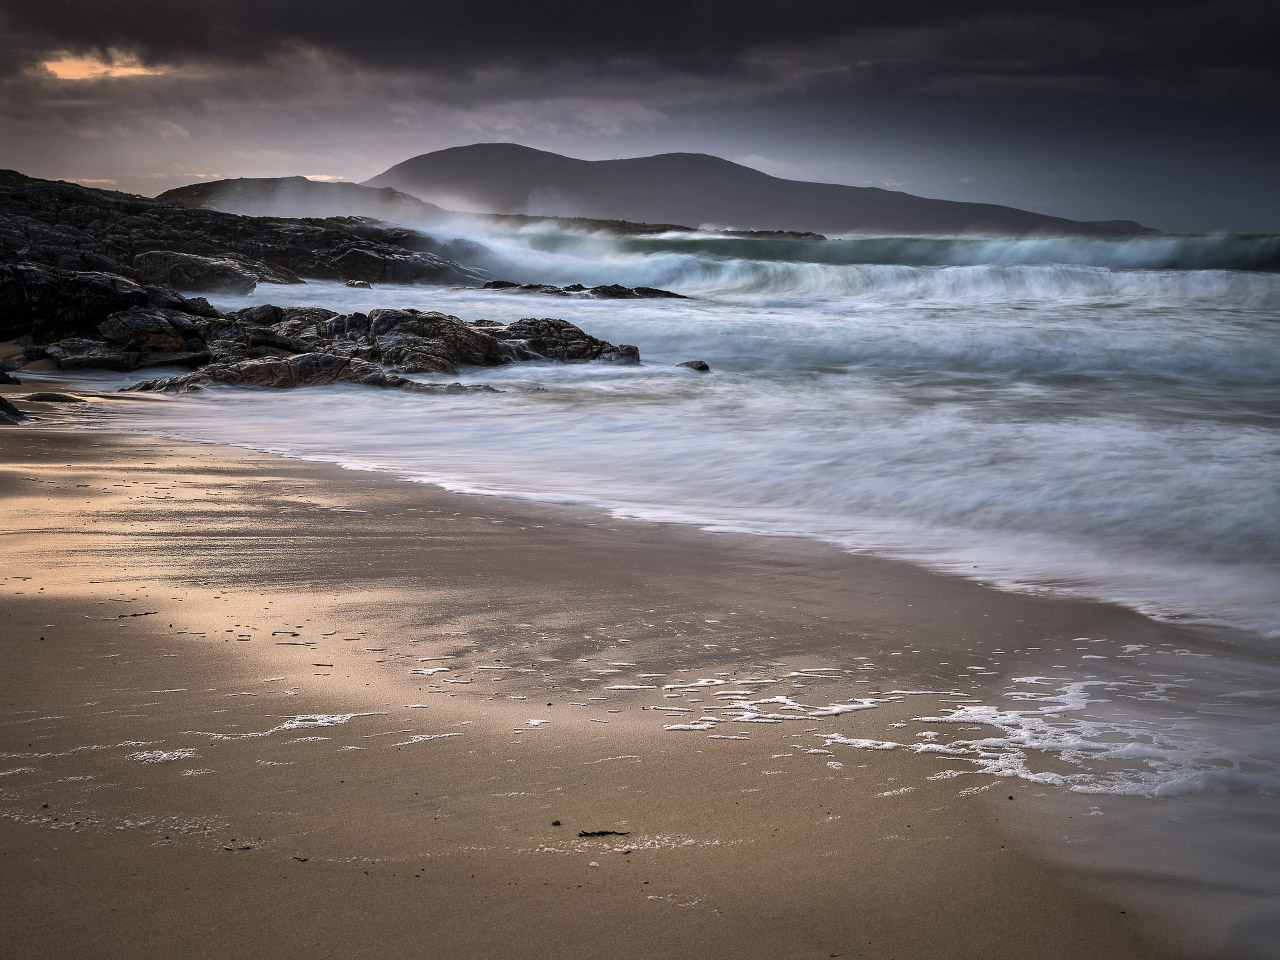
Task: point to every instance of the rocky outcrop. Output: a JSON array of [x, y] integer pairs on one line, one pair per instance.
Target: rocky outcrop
[[699, 365], [552, 339], [48, 303], [9, 414], [72, 227], [46, 397], [96, 320], [303, 370], [608, 291], [187, 271]]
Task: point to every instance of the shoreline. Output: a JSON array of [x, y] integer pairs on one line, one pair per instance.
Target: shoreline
[[247, 538]]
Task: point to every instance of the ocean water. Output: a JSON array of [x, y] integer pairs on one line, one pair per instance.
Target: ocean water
[[1098, 418], [1091, 418]]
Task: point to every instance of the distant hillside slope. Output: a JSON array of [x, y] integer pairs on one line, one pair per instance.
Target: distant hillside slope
[[698, 189], [299, 197]]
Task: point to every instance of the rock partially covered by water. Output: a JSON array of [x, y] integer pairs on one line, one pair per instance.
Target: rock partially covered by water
[[9, 414], [129, 339], [555, 339], [46, 397], [608, 291], [401, 334], [303, 370], [700, 365]]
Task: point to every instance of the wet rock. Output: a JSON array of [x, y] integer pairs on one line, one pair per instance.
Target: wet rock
[[304, 370], [9, 414], [68, 226], [608, 291], [699, 365], [614, 291], [434, 333], [414, 387], [188, 271], [656, 293], [555, 339], [7, 378], [49, 304], [153, 330], [78, 353], [52, 398], [360, 284]]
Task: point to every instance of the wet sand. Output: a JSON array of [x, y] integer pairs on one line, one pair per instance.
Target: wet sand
[[213, 742]]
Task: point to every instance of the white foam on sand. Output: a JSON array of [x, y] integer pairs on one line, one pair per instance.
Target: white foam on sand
[[163, 756]]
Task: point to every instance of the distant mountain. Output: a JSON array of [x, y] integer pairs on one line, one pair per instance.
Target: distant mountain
[[698, 189], [299, 197]]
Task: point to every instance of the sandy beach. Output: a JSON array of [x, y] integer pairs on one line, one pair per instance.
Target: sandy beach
[[260, 707]]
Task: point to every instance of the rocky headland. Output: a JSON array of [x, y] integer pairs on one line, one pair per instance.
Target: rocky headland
[[77, 228], [88, 280]]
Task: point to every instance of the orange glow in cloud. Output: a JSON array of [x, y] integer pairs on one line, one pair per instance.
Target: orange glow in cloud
[[89, 68]]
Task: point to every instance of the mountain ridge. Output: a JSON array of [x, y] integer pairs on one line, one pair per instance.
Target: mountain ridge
[[700, 189]]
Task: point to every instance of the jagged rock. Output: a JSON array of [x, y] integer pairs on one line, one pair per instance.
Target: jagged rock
[[77, 353], [414, 387], [49, 304], [609, 291], [6, 378], [9, 414], [304, 370], [237, 351], [556, 339], [614, 291], [699, 365], [187, 271], [152, 330], [436, 334], [73, 227]]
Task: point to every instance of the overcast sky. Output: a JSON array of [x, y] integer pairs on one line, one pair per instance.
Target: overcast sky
[[1167, 113]]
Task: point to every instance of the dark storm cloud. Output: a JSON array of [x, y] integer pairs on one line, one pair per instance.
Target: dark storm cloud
[[1153, 49]]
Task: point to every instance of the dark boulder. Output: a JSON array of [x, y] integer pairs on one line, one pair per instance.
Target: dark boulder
[[9, 414], [656, 293], [613, 291], [152, 330], [555, 339], [699, 365], [436, 334], [78, 353], [187, 271], [8, 379], [49, 304], [52, 398], [304, 370]]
